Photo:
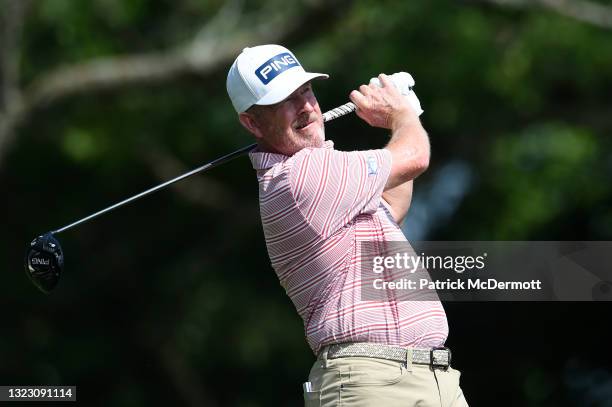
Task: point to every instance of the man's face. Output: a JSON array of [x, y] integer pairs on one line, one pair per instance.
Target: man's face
[[288, 126]]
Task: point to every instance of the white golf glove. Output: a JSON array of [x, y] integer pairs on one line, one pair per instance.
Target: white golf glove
[[404, 82]]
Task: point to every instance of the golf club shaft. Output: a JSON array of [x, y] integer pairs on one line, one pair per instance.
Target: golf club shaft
[[327, 116]]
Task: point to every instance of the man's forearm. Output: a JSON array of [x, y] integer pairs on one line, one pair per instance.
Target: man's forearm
[[409, 147]]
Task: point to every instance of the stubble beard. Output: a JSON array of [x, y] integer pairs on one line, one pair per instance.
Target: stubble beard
[[314, 139]]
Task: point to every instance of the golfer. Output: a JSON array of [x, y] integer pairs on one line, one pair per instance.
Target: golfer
[[318, 207]]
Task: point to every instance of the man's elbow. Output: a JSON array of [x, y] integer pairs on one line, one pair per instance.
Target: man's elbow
[[422, 163], [415, 164]]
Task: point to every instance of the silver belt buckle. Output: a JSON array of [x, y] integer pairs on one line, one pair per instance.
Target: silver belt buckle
[[433, 365]]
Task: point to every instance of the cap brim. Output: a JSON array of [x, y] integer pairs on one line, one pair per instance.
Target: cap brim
[[288, 83]]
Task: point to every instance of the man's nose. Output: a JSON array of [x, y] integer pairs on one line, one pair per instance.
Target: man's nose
[[306, 104]]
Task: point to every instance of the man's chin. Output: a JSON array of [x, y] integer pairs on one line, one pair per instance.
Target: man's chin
[[300, 140], [317, 142], [317, 138]]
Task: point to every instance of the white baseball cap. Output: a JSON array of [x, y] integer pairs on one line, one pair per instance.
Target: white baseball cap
[[265, 75]]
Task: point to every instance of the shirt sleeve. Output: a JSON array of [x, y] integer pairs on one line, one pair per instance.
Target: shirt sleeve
[[332, 187]]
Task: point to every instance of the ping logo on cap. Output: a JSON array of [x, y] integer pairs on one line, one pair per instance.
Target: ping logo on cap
[[39, 262], [275, 66]]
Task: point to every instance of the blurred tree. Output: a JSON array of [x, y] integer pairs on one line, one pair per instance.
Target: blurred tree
[[590, 12], [211, 46]]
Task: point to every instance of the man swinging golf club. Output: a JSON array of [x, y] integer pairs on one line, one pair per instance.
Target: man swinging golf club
[[317, 206]]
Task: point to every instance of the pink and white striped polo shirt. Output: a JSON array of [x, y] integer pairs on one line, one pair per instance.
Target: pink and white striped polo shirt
[[317, 206]]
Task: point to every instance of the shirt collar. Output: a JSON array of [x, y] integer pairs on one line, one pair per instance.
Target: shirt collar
[[263, 160]]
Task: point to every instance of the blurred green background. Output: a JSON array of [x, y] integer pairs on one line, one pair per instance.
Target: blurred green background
[[172, 300]]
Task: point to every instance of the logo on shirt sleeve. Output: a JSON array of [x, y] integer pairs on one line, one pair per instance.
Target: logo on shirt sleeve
[[372, 165]]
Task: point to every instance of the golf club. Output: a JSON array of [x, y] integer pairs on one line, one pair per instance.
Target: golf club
[[44, 260]]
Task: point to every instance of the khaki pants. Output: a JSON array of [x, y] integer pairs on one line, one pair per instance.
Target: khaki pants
[[365, 382]]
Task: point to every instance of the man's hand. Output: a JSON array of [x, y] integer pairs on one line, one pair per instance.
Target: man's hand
[[404, 82], [383, 106]]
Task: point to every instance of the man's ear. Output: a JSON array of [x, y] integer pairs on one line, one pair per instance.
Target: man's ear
[[249, 122]]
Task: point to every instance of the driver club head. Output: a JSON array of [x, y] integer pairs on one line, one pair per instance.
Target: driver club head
[[44, 262]]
